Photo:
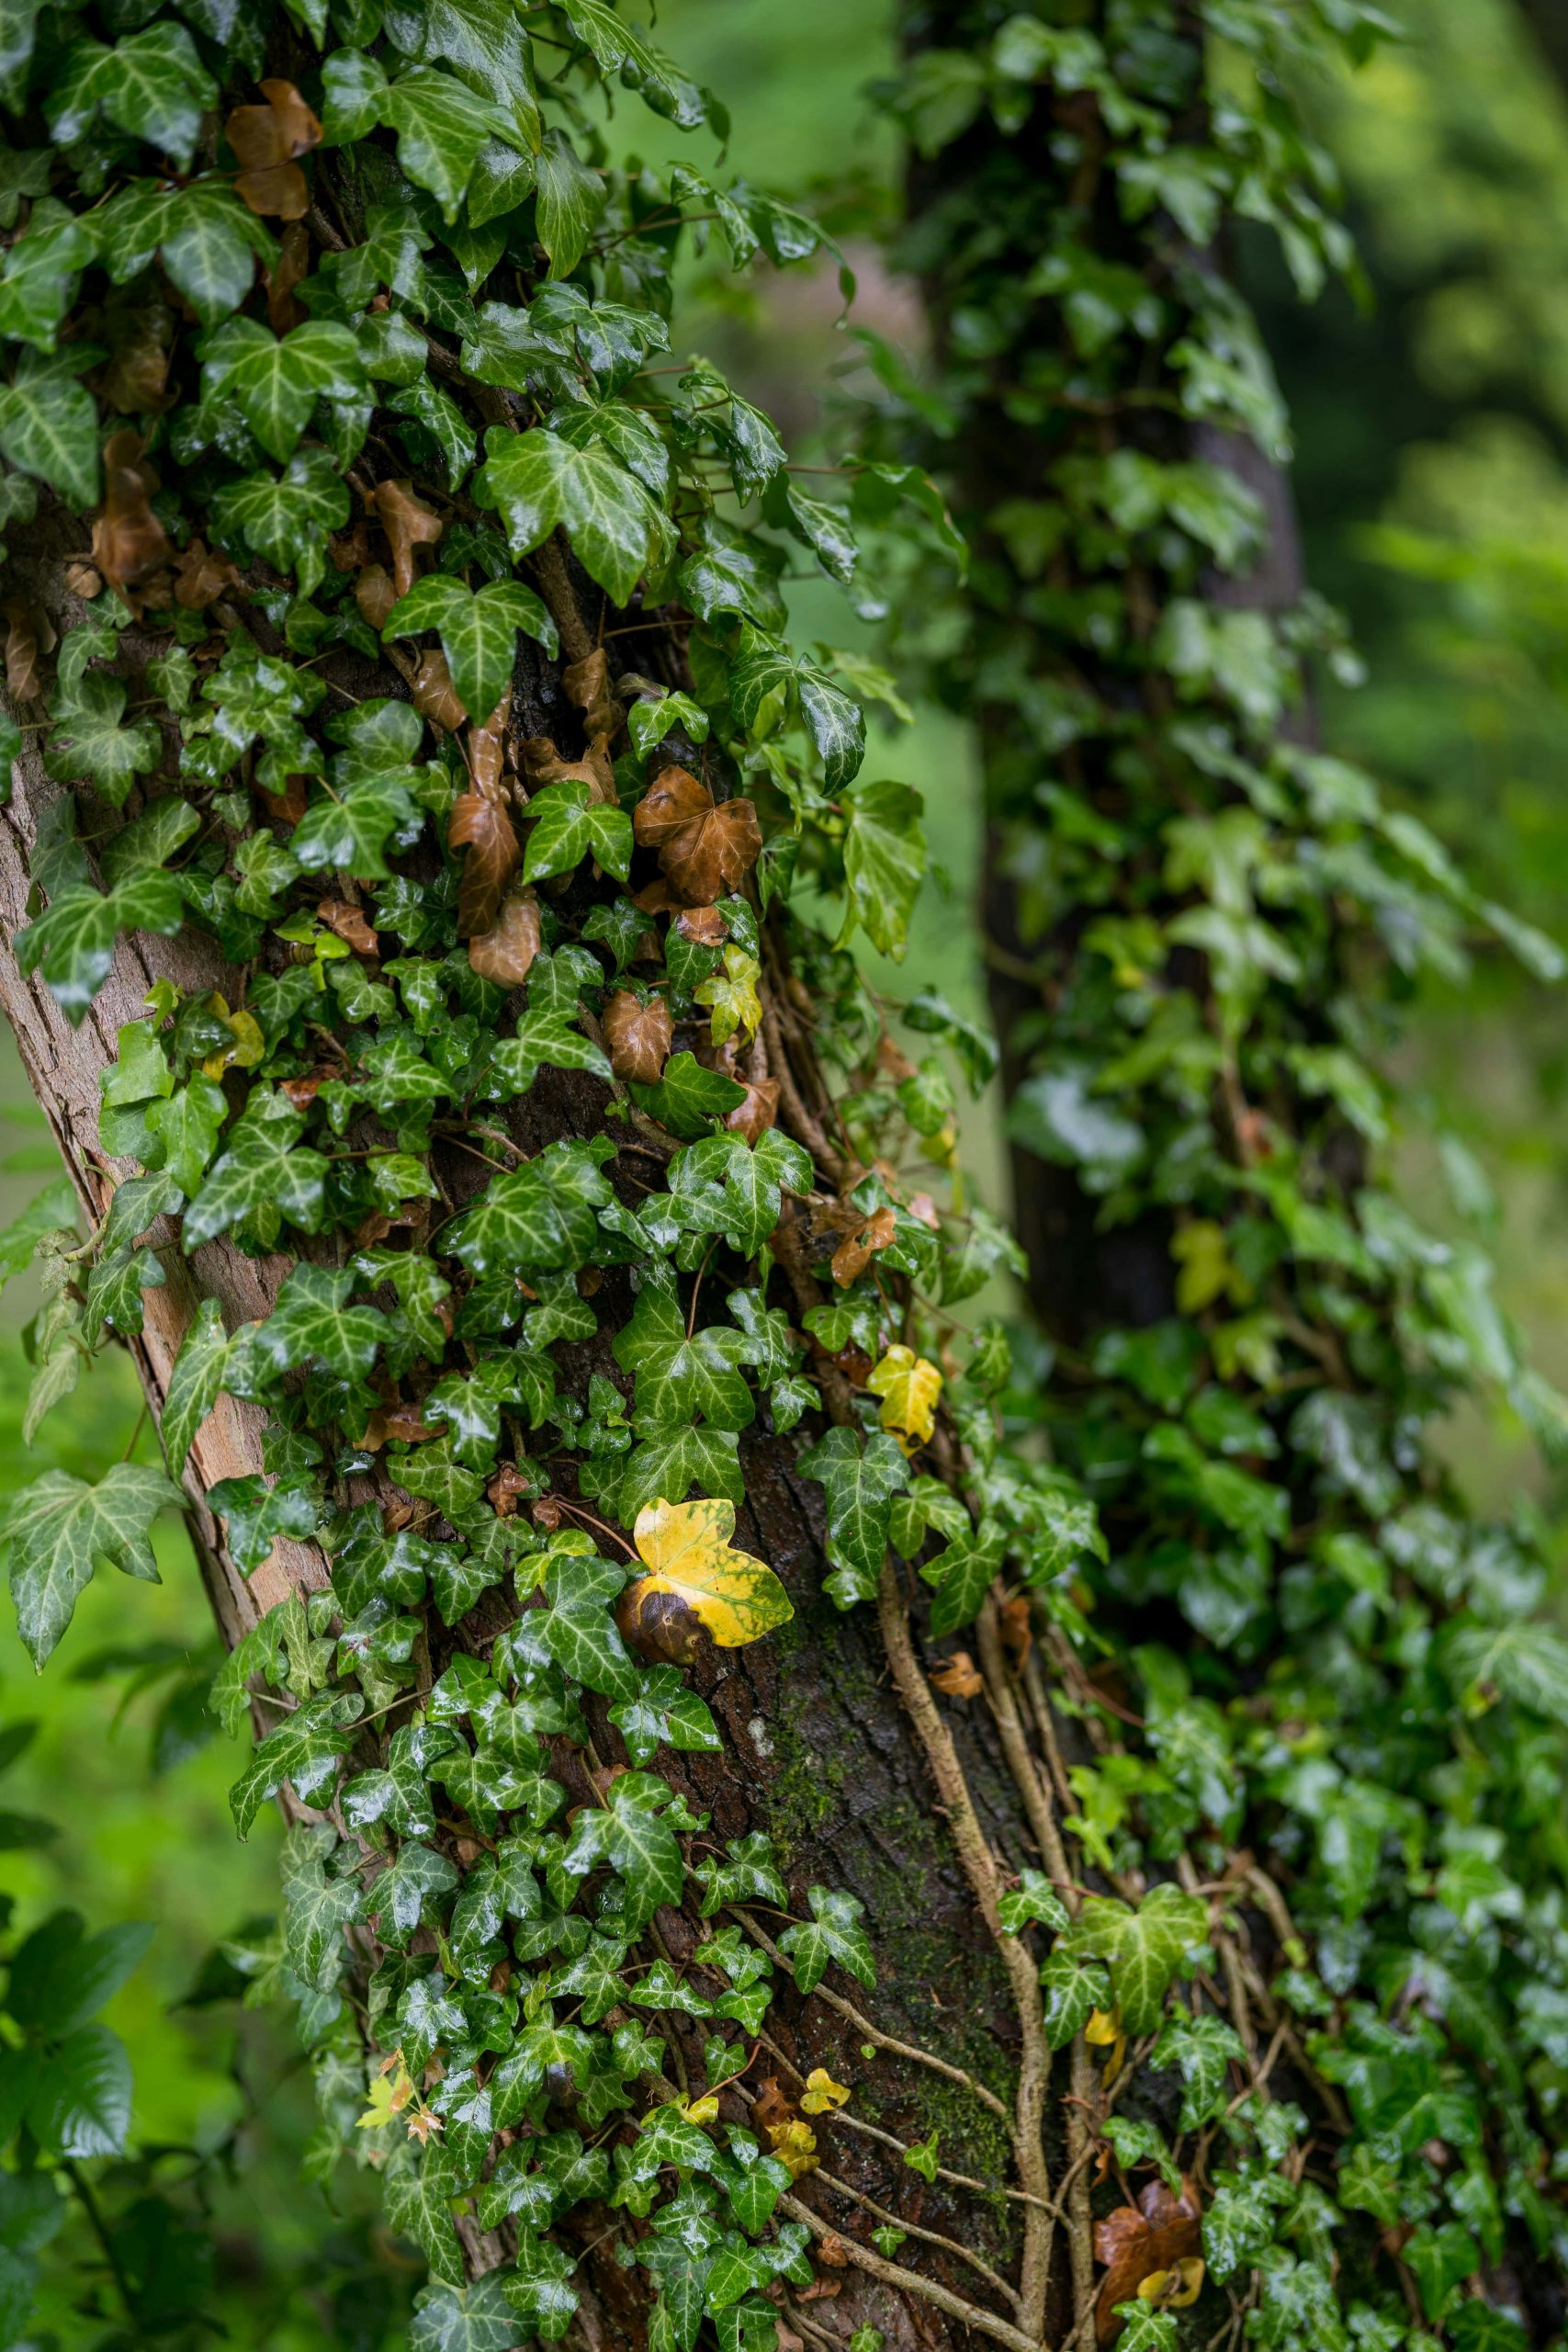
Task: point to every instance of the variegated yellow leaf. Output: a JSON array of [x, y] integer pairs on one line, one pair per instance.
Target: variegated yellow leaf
[[687, 1552], [909, 1386]]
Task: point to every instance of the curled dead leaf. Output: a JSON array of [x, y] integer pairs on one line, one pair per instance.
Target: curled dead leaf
[[487, 747], [504, 952], [638, 1035], [283, 311], [409, 525], [434, 696], [1018, 1633], [759, 1111], [375, 595], [855, 1252], [288, 806], [1158, 2234], [704, 926], [588, 683], [29, 636], [542, 765], [138, 331], [129, 541], [502, 1491], [348, 921], [202, 576], [831, 2250], [302, 1091], [704, 847], [267, 141], [84, 580], [956, 1677], [481, 824]]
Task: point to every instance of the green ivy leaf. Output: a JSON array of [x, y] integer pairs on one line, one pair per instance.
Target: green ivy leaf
[[478, 629], [541, 483], [832, 1933], [60, 1527]]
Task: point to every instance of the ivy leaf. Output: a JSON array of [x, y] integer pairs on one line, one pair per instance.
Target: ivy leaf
[[1072, 1991], [859, 1484], [419, 2206], [266, 1173], [689, 1098], [49, 422], [670, 1462], [60, 1527], [753, 1178], [465, 2319], [569, 196], [187, 1124], [285, 518], [630, 1833], [540, 1216], [316, 1908], [962, 1574], [478, 629], [664, 1713], [578, 1630], [88, 744], [441, 128], [679, 1374], [402, 1894], [540, 483], [1144, 1949], [1199, 2049], [304, 1750], [276, 381], [687, 1553], [152, 84], [568, 823], [885, 861], [833, 1932], [767, 682], [313, 1323], [81, 2105]]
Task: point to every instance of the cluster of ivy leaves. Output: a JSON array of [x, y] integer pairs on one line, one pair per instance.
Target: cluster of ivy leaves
[[345, 331], [1335, 1667]]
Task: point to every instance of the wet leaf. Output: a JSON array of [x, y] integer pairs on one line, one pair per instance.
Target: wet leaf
[[703, 848], [687, 1552], [638, 1035]]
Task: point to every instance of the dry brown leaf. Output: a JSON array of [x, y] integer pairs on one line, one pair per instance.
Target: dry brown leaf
[[759, 1111], [588, 683], [408, 525], [1018, 1633], [703, 848], [348, 921], [502, 1490], [831, 2249], [350, 550], [482, 826], [487, 747], [29, 637], [639, 1036], [705, 925], [504, 952], [957, 1678], [542, 765], [293, 264], [375, 595], [1156, 2233], [302, 1091], [133, 380], [267, 140], [202, 576], [129, 541], [404, 1424], [84, 580], [855, 1252], [434, 696], [288, 806]]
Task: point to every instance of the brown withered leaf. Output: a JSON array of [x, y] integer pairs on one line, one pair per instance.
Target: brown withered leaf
[[375, 595], [504, 952], [487, 747], [293, 264], [404, 1424], [1156, 2233], [84, 580], [1018, 1633], [483, 825], [350, 550], [408, 525], [268, 139], [29, 636], [302, 1091], [502, 1490], [855, 1252], [588, 683], [705, 925], [957, 1678], [129, 541], [202, 575], [703, 848], [288, 806], [139, 333], [542, 765], [434, 696], [348, 921], [759, 1111], [639, 1036]]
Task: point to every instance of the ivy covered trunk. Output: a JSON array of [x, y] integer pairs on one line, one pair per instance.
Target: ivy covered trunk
[[1323, 1676], [543, 1304]]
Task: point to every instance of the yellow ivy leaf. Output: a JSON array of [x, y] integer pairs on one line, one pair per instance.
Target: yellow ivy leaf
[[1104, 2032], [687, 1552], [701, 2110], [909, 1386], [822, 2094], [732, 994], [795, 2144], [1174, 2288], [248, 1047]]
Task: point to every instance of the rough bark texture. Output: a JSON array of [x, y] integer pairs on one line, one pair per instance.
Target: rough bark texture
[[820, 1752]]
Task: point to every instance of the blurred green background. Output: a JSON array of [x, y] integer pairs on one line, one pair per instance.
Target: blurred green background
[[1432, 426]]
